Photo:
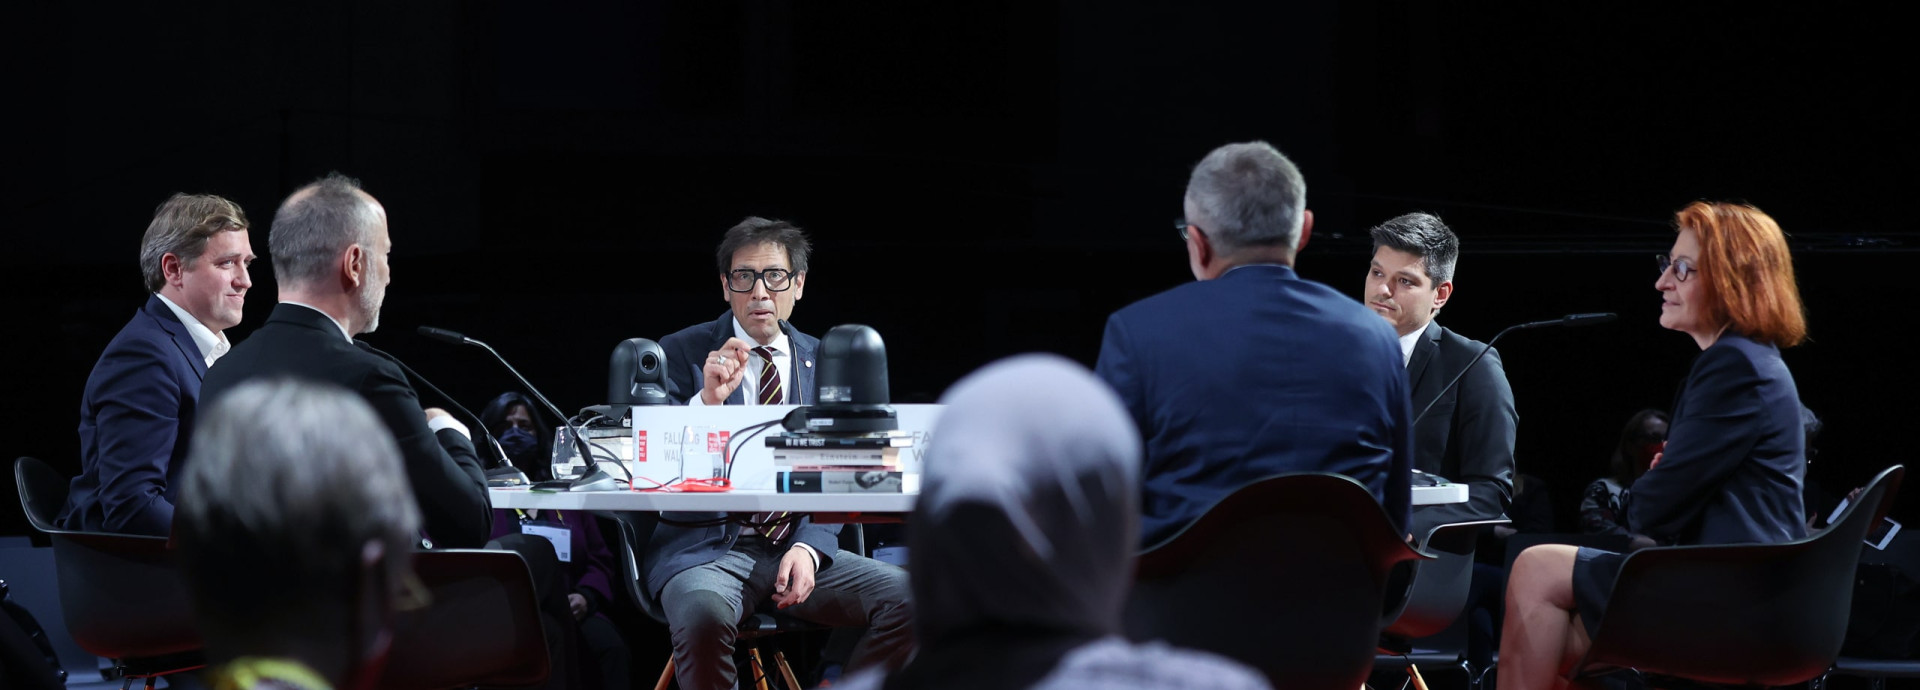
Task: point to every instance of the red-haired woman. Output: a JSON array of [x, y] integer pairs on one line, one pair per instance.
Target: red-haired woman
[[1734, 462]]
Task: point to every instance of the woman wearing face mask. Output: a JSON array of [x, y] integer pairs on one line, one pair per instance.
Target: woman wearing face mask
[[585, 561], [1734, 463]]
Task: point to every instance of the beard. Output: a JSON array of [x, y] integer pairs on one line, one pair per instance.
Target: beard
[[370, 301]]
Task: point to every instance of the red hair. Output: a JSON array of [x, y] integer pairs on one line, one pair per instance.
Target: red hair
[[1748, 271]]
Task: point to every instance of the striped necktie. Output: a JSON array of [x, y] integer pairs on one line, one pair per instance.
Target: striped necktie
[[775, 533], [770, 393]]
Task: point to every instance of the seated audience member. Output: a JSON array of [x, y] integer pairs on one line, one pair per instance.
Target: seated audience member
[[1735, 455], [527, 441], [1640, 439], [296, 533], [586, 565], [1023, 541], [1252, 371], [137, 412]]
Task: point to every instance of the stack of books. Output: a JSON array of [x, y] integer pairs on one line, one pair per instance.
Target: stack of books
[[815, 463]]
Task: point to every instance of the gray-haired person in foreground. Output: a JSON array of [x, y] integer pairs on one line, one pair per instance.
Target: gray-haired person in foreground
[[296, 528], [1023, 542]]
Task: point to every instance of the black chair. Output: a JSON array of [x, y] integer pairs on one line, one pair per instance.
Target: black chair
[[1737, 615], [482, 627], [1876, 671], [636, 528], [120, 595], [1426, 627], [1286, 574]]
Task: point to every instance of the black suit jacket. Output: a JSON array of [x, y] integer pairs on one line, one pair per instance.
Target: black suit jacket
[[302, 342], [675, 549], [1468, 435], [1734, 469]]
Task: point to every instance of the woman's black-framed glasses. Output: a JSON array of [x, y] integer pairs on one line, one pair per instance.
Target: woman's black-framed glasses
[[777, 279], [1682, 268]]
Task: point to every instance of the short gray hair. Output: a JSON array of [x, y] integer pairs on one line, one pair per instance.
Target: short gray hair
[[315, 224], [1424, 236], [1246, 195], [294, 478], [181, 226]]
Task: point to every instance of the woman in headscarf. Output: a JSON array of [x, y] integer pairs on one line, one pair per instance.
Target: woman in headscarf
[[1734, 465], [1021, 544]]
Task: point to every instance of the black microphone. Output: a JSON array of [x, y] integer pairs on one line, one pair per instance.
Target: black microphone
[[596, 476], [1568, 320]]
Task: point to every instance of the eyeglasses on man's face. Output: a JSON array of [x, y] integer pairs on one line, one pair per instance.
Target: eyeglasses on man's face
[[1682, 268], [742, 280], [1181, 225]]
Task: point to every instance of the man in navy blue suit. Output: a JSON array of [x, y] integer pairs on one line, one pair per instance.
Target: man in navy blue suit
[[708, 579], [1253, 371], [138, 408]]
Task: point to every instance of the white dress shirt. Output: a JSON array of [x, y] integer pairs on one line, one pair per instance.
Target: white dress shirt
[[750, 384], [1407, 342], [212, 345]]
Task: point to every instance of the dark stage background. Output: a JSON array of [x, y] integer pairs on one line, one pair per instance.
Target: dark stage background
[[979, 180]]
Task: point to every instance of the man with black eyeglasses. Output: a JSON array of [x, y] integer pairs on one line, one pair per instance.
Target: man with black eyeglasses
[[707, 579]]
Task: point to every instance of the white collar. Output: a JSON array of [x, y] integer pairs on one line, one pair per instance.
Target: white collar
[[212, 344], [779, 343], [336, 322], [1408, 341]]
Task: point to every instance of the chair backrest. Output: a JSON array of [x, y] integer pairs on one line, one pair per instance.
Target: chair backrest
[[1754, 614], [481, 628], [43, 492], [636, 529], [1285, 574], [120, 594], [1437, 590]]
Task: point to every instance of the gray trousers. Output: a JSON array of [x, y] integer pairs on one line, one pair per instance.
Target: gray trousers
[[704, 606]]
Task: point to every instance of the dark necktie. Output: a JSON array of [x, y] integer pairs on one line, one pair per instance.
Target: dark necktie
[[770, 393]]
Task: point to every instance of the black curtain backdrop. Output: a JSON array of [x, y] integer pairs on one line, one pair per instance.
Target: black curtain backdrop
[[980, 180]]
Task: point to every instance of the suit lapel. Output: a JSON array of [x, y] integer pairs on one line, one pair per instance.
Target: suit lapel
[[801, 366], [181, 338]]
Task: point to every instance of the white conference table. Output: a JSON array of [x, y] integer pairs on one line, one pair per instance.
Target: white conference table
[[748, 501]]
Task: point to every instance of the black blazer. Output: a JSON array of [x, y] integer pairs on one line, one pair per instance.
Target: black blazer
[[1467, 437], [1735, 464], [675, 549], [304, 343]]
